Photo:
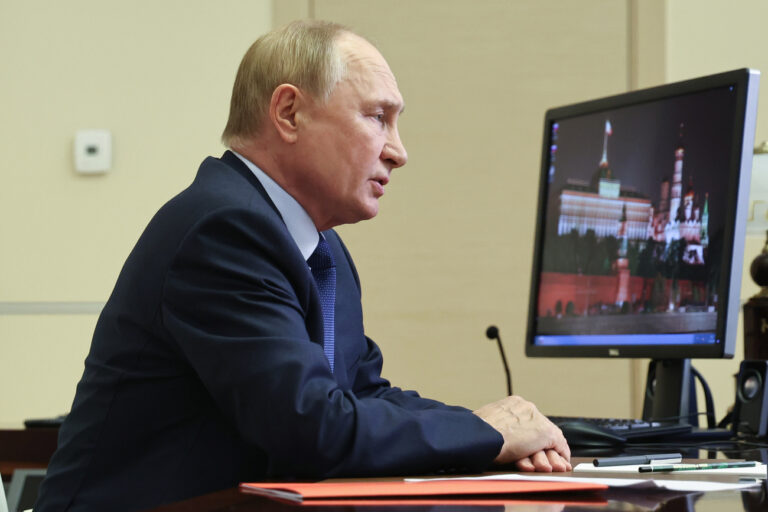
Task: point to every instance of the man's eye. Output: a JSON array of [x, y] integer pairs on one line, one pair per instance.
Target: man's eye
[[380, 118]]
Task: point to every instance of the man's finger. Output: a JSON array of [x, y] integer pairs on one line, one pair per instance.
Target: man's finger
[[541, 462], [558, 462], [525, 464]]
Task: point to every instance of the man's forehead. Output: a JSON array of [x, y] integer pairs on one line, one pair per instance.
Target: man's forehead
[[364, 62], [351, 43], [357, 52]]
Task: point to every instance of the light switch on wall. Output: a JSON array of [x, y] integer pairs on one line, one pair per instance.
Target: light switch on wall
[[93, 151]]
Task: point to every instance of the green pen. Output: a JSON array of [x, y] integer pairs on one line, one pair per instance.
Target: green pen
[[695, 467]]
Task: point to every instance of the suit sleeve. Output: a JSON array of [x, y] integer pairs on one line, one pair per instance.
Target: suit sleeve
[[235, 304]]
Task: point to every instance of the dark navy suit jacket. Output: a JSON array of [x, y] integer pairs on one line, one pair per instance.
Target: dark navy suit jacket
[[205, 368]]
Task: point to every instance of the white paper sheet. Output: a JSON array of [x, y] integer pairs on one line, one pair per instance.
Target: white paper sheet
[[637, 483]]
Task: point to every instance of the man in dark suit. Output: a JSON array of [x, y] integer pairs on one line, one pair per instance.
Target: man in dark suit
[[232, 347]]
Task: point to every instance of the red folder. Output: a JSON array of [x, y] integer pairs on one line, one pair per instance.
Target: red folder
[[298, 492]]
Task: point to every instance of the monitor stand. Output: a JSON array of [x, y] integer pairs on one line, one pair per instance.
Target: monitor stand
[[670, 393]]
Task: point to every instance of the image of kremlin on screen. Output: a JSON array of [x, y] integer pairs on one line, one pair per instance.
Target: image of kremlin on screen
[[636, 248]]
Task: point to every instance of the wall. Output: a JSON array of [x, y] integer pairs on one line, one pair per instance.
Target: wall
[[159, 76]]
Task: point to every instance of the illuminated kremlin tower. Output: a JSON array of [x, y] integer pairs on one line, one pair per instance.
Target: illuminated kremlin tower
[[678, 216], [677, 189], [705, 222], [622, 262]]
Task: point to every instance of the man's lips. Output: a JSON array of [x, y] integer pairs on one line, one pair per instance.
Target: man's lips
[[379, 183]]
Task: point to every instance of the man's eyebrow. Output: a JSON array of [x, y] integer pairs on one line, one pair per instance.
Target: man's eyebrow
[[391, 105], [388, 106]]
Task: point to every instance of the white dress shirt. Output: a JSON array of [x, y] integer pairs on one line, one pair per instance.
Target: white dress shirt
[[296, 218]]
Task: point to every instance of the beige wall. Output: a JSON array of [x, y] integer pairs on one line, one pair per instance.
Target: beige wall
[[451, 250], [158, 74]]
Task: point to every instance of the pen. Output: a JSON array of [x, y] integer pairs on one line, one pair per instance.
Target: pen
[[695, 467], [632, 460]]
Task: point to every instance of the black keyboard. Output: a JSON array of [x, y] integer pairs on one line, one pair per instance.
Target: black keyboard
[[613, 431]]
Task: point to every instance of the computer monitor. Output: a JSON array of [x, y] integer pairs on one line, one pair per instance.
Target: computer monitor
[[639, 242]]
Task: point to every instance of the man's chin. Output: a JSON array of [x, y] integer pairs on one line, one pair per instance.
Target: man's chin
[[368, 210], [362, 218], [373, 210]]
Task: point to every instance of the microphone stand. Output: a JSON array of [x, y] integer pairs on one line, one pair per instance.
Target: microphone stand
[[493, 333]]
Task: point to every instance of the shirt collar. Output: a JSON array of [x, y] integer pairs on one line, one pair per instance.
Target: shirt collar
[[296, 218]]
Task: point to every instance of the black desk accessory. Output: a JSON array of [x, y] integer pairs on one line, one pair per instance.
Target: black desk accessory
[[756, 310], [631, 460], [750, 412], [54, 422]]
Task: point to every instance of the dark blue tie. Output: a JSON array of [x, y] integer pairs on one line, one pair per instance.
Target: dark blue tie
[[324, 271]]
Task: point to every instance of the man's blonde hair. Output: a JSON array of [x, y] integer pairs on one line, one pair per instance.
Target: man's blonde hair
[[302, 53]]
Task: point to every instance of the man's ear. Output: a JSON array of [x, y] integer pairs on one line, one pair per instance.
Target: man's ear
[[286, 101]]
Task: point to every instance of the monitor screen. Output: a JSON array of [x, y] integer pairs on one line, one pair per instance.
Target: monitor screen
[[641, 219]]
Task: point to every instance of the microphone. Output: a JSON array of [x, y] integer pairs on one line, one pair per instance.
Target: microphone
[[492, 333]]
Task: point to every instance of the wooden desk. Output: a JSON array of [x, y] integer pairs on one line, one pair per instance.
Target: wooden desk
[[26, 449], [232, 500]]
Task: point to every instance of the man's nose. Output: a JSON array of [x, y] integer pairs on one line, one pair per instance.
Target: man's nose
[[394, 151]]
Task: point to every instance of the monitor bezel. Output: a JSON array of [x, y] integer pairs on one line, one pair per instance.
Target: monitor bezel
[[746, 82]]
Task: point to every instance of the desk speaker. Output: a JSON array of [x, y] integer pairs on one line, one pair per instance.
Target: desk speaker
[[750, 413]]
